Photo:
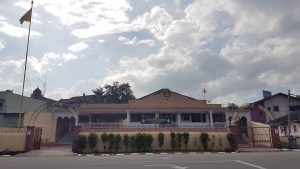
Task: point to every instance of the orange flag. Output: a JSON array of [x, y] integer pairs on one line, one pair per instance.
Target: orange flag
[[26, 16]]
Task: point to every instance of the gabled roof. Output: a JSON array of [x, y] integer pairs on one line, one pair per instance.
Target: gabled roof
[[163, 90], [294, 116], [275, 95]]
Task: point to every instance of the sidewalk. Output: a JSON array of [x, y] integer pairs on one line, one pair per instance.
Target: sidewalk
[[258, 150], [49, 151]]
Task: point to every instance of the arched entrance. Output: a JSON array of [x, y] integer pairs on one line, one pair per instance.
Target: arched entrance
[[64, 126], [242, 124]]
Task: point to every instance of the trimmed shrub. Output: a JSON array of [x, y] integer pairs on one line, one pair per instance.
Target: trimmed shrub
[[186, 137], [92, 139], [148, 141], [231, 140], [161, 140], [140, 141], [126, 141], [132, 142], [173, 140], [204, 140], [111, 141], [118, 139], [81, 143], [178, 140], [104, 138]]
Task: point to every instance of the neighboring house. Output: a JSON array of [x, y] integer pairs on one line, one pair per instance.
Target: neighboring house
[[272, 107], [10, 108], [294, 126]]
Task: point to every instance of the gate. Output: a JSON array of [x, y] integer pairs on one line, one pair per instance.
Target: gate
[[37, 138], [260, 136]]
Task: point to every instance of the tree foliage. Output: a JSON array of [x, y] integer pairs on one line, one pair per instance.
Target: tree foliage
[[111, 141], [161, 140], [173, 140], [204, 140], [186, 137], [178, 140], [104, 138], [92, 139], [81, 143], [114, 93], [126, 141], [118, 139]]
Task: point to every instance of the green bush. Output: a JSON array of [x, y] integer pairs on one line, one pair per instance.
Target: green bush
[[178, 140], [81, 143], [126, 141], [204, 140], [140, 141], [231, 140], [104, 138], [111, 141], [173, 140], [92, 139], [161, 140], [148, 141], [118, 139], [186, 137], [132, 142]]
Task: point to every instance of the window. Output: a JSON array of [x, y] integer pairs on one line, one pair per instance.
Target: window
[[136, 117], [195, 117], [295, 128], [83, 119], [276, 108], [185, 117], [269, 108], [149, 115]]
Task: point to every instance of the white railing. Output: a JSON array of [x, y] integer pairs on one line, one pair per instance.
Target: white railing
[[139, 125]]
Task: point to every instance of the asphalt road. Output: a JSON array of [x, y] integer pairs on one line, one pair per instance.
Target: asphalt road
[[266, 160]]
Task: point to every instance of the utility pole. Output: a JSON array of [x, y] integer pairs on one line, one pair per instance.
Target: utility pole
[[289, 117]]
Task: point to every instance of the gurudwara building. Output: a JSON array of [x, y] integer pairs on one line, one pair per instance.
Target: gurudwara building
[[161, 109]]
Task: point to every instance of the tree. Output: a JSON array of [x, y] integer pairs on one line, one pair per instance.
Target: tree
[[81, 143], [111, 141], [92, 139], [204, 140], [114, 93], [178, 140], [126, 141], [161, 140], [231, 141], [186, 137], [232, 106], [118, 139], [104, 139], [173, 140], [140, 141]]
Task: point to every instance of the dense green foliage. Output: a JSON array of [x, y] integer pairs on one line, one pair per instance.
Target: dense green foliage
[[126, 141], [161, 140], [114, 93], [118, 139], [186, 137], [111, 141], [178, 140], [81, 143], [104, 138], [92, 139], [173, 140], [231, 140], [204, 140]]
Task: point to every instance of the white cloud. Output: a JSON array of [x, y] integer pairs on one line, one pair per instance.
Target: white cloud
[[2, 44], [135, 42], [78, 47], [101, 40], [14, 31]]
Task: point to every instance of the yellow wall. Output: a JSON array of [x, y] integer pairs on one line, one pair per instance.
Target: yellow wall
[[12, 140], [193, 145], [46, 122]]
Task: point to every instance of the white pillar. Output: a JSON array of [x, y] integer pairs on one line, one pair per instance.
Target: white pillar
[[178, 118], [128, 117], [90, 120], [211, 119]]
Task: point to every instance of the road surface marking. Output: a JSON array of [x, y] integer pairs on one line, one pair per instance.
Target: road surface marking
[[172, 166], [249, 164]]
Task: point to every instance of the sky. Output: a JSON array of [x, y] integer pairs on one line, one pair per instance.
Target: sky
[[234, 49]]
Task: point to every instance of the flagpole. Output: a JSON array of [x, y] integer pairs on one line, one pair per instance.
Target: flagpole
[[25, 68]]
